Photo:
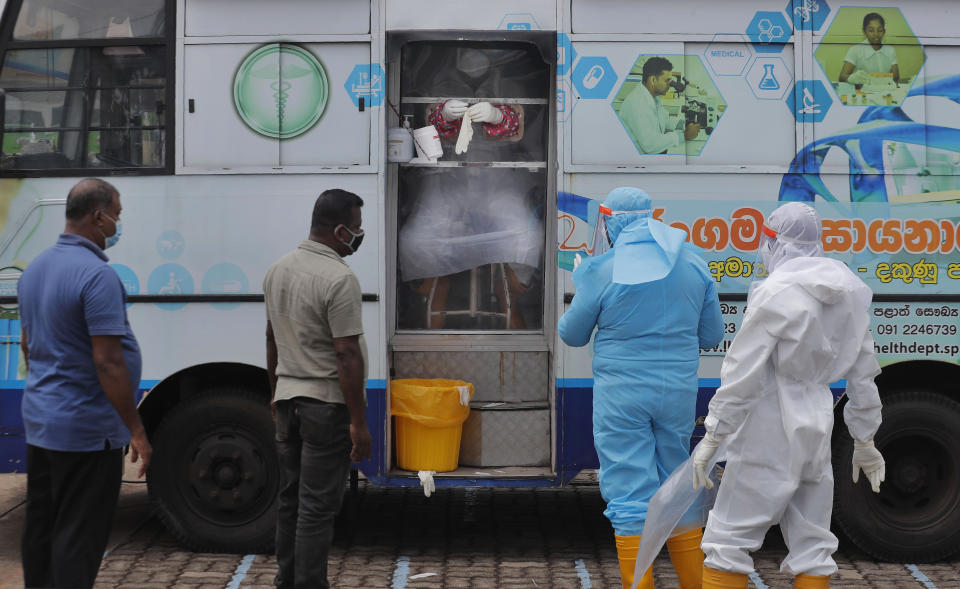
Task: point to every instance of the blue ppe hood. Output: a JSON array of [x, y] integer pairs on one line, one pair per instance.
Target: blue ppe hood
[[645, 251], [625, 198]]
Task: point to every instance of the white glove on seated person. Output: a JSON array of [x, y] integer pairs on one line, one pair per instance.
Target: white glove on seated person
[[484, 112], [454, 109], [702, 455], [867, 458]]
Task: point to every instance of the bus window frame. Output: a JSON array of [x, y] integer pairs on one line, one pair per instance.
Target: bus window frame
[[168, 41]]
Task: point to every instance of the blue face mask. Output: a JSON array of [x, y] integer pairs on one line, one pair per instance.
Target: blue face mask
[[112, 239]]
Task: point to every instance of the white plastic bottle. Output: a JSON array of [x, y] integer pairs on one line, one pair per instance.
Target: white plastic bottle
[[400, 143]]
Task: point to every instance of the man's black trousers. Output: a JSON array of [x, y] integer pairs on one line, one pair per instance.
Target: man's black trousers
[[71, 498], [313, 444]]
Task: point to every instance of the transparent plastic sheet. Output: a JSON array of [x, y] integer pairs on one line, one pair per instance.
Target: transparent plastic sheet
[[676, 508], [457, 219]]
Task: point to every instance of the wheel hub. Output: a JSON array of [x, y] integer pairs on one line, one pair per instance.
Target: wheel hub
[[910, 475], [227, 472]]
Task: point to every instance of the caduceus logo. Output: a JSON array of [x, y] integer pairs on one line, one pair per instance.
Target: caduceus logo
[[280, 90]]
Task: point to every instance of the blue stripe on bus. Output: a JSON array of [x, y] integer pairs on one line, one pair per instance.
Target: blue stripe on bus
[[703, 383]]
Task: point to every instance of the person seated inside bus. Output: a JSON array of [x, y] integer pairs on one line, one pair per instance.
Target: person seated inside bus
[[471, 239], [645, 117], [471, 244], [871, 56]]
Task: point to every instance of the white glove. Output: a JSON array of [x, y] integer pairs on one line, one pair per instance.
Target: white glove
[[484, 112], [577, 258], [866, 457], [426, 481], [466, 134], [454, 109], [701, 457]]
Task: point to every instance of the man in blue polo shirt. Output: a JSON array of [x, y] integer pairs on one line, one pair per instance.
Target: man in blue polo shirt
[[83, 366]]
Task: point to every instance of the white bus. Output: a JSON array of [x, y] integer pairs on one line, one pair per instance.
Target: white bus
[[221, 120]]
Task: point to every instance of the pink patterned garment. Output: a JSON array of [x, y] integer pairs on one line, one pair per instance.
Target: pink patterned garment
[[508, 127]]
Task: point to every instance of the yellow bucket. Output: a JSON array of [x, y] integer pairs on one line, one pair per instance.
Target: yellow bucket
[[429, 422]]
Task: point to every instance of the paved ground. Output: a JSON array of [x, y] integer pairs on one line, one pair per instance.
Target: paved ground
[[554, 538]]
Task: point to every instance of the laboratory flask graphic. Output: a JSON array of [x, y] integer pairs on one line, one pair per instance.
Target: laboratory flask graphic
[[280, 90], [768, 81]]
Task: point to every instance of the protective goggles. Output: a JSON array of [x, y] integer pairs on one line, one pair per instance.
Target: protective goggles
[[775, 235], [601, 241]]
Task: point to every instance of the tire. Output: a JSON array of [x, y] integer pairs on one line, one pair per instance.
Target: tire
[[215, 473], [916, 515]]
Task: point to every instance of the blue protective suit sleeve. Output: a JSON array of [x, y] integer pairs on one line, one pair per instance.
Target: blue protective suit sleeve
[[577, 323], [710, 332]]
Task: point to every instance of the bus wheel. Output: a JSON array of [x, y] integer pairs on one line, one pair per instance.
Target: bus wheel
[[916, 515], [215, 473]]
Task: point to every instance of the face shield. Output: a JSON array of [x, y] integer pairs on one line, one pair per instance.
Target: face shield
[[798, 236], [473, 63], [601, 240]]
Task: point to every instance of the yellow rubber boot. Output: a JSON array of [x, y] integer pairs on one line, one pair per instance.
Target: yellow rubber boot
[[627, 547], [714, 579], [811, 582], [687, 558]]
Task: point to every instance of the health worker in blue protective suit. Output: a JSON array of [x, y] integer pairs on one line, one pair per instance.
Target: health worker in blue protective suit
[[654, 305]]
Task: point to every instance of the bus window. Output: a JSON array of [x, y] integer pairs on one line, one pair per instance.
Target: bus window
[[52, 20], [79, 106]]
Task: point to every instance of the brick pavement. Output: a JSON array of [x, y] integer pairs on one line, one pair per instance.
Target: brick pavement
[[468, 538]]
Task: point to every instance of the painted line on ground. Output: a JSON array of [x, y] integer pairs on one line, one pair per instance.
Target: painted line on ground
[[242, 567], [923, 579], [12, 509], [401, 572], [757, 580], [584, 574]]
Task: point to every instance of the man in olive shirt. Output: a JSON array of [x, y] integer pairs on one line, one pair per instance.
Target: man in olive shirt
[[316, 361]]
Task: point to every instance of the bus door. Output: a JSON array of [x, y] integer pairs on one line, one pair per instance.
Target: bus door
[[474, 285]]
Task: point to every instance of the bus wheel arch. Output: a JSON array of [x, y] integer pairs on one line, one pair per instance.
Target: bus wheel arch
[[194, 380], [916, 515], [215, 474]]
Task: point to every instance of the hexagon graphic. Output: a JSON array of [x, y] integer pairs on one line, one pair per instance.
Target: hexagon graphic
[[769, 77], [593, 77], [809, 101], [566, 99], [768, 31], [808, 15], [692, 98], [367, 80], [870, 56], [728, 55], [566, 54], [519, 21]]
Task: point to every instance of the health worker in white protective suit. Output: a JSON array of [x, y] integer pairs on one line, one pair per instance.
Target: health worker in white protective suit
[[806, 325]]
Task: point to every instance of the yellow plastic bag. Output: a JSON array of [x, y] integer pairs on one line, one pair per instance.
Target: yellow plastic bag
[[432, 402], [430, 415]]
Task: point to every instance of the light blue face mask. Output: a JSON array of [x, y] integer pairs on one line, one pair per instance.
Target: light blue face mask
[[113, 239]]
